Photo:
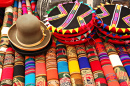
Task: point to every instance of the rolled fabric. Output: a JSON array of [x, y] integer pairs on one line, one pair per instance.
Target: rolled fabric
[[19, 8], [29, 10], [7, 72], [15, 11], [62, 65], [51, 66], [40, 70], [33, 5], [124, 57], [118, 66], [29, 71], [85, 68], [2, 54], [19, 70], [73, 65], [106, 64], [24, 7], [95, 65]]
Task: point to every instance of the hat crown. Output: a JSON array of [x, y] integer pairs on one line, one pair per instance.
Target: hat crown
[[28, 29]]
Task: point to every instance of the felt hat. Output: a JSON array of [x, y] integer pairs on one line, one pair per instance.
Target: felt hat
[[29, 33]]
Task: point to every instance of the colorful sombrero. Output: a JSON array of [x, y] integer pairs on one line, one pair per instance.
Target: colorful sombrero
[[69, 21], [116, 18]]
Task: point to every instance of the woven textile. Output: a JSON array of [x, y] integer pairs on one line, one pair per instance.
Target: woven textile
[[33, 5], [19, 70], [8, 18], [8, 69], [24, 7], [62, 65], [128, 49], [29, 10], [51, 66], [106, 64], [19, 8], [118, 66], [15, 11], [73, 65], [95, 65], [84, 65], [40, 70], [125, 59], [29, 71], [2, 54]]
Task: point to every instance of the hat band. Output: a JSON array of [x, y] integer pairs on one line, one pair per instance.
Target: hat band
[[29, 45]]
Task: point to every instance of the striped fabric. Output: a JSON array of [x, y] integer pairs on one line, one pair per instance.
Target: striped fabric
[[128, 49], [84, 65], [51, 66], [15, 11], [40, 70], [118, 66], [19, 8], [106, 64], [8, 69], [73, 64], [33, 5], [124, 57], [24, 7], [62, 65], [2, 55], [19, 70], [29, 71], [29, 10], [95, 65]]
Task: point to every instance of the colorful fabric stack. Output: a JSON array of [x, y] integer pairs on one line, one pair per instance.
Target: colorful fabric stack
[[29, 71], [124, 57], [73, 64], [19, 8], [95, 64], [33, 5], [29, 10], [128, 49], [19, 70], [24, 7], [7, 22], [51, 66], [40, 70], [15, 11], [84, 65], [72, 25], [118, 66], [106, 64], [8, 68], [62, 65]]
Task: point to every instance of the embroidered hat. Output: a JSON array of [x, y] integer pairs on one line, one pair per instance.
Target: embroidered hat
[[29, 33], [116, 18]]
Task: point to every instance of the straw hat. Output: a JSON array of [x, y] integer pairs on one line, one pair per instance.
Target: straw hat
[[29, 33]]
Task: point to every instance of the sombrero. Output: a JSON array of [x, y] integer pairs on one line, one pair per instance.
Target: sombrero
[[29, 33], [116, 18], [113, 40], [70, 17], [80, 40]]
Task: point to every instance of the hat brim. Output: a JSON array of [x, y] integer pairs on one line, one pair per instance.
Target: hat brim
[[44, 43], [31, 53]]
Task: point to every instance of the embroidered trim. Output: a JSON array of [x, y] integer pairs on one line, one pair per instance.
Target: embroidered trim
[[80, 18], [127, 20], [62, 11], [70, 16], [116, 16], [105, 12]]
